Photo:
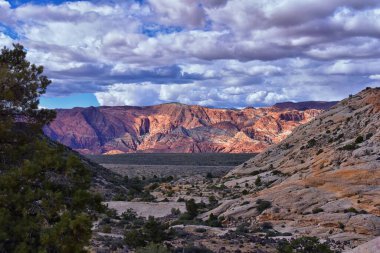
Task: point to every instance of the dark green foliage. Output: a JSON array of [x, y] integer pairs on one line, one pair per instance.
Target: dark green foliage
[[153, 248], [200, 230], [242, 228], [359, 139], [134, 238], [351, 146], [213, 201], [149, 231], [192, 249], [175, 211], [351, 210], [21, 85], [311, 143], [368, 136], [304, 245], [262, 205], [256, 172], [154, 231], [45, 203], [191, 208], [317, 210], [213, 221], [266, 225], [258, 181]]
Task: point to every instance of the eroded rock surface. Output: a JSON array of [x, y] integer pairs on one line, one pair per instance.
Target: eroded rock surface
[[323, 180], [176, 128]]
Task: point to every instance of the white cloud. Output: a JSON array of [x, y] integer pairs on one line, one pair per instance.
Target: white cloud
[[5, 41], [209, 52], [375, 77]]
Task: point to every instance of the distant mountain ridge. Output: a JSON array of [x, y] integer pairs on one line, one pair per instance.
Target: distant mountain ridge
[[175, 128], [302, 106]]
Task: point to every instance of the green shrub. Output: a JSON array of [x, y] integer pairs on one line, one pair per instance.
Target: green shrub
[[317, 210], [351, 146], [359, 139], [266, 225], [213, 221], [303, 245], [311, 143], [242, 228], [200, 230], [262, 205], [351, 210], [175, 211], [192, 208], [153, 248], [368, 136], [134, 238], [258, 181], [106, 229], [192, 249]]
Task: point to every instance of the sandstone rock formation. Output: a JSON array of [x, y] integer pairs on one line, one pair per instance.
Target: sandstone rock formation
[[323, 180], [176, 128]]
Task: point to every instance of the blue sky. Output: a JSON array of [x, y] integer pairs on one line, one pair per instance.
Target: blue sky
[[221, 53]]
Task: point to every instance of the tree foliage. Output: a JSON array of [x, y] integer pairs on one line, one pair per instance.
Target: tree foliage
[[45, 203], [21, 85], [304, 245]]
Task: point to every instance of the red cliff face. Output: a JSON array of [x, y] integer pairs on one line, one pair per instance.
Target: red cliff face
[[174, 128]]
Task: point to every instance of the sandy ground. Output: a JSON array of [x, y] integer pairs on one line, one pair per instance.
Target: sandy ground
[[146, 209]]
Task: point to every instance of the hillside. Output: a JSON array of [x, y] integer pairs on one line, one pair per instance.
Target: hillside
[[174, 128], [323, 180]]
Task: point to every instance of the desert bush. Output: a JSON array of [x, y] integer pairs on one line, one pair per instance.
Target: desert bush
[[262, 205], [106, 229], [153, 248], [351, 210], [258, 181], [317, 210], [213, 221], [311, 143], [175, 211], [359, 139], [266, 225], [303, 245], [368, 136], [200, 230], [192, 208], [192, 249], [351, 146]]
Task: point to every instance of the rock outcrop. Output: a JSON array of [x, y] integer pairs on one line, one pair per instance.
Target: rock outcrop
[[322, 180], [175, 128]]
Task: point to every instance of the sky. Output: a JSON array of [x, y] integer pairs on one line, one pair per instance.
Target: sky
[[219, 53]]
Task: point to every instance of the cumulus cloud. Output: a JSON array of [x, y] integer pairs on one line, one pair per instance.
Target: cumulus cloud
[[208, 52]]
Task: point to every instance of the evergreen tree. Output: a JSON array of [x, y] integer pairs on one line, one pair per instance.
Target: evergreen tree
[[45, 203]]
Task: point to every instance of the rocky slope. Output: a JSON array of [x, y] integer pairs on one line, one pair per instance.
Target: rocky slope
[[176, 128], [323, 180]]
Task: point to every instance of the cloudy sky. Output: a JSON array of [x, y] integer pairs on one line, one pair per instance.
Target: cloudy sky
[[222, 53]]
